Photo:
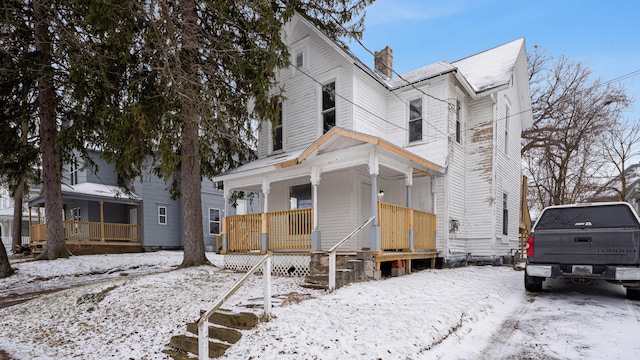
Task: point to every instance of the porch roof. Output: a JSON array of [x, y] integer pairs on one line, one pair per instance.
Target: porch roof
[[335, 139], [93, 192]]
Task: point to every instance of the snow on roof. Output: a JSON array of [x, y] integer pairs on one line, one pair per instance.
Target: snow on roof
[[491, 68], [7, 213], [273, 160], [427, 72], [99, 190]]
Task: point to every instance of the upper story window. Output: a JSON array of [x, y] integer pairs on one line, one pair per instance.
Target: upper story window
[[300, 60], [162, 215], [458, 122], [507, 115], [328, 106], [415, 120], [73, 172], [277, 130]]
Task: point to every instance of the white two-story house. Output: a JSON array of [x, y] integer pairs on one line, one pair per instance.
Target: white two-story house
[[432, 155]]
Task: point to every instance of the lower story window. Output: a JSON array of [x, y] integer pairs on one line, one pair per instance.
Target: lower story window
[[214, 221]]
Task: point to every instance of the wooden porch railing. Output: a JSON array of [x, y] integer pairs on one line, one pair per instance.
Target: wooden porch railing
[[90, 231], [424, 230], [244, 232], [287, 230], [396, 221], [290, 230]]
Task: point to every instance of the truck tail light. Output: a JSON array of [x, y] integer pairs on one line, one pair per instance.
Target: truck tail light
[[529, 246]]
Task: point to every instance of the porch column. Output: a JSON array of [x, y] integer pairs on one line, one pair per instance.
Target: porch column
[[139, 222], [375, 227], [316, 241], [266, 189], [101, 220], [225, 235], [408, 181]]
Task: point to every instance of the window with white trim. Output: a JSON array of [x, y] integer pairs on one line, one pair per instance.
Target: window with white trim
[[214, 221], [507, 115], [300, 60], [73, 172], [328, 106], [162, 215], [458, 122], [74, 214], [415, 120], [277, 131], [505, 215]]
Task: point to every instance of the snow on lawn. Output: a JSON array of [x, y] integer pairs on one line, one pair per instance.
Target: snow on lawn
[[130, 315]]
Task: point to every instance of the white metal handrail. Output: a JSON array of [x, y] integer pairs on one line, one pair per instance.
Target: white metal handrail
[[203, 323], [332, 255]]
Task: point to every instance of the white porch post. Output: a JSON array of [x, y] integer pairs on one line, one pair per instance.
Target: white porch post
[[316, 240], [225, 234], [408, 181], [375, 227], [266, 189]]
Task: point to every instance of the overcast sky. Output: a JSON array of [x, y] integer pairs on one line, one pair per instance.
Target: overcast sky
[[603, 34]]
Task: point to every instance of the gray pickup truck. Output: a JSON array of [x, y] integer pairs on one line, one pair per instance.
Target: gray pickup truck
[[585, 242]]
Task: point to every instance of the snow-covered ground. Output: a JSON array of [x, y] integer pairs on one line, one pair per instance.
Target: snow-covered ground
[[142, 300]]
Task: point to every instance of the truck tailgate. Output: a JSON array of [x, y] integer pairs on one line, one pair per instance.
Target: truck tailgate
[[595, 246]]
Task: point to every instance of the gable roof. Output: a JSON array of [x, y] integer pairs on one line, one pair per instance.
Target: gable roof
[[492, 68]]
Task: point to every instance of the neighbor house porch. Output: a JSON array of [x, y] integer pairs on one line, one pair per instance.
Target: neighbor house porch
[[96, 219]]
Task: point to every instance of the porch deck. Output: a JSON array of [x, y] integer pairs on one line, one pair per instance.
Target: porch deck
[[406, 234], [84, 237]]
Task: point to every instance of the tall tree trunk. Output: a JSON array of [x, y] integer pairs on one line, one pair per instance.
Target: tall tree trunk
[[16, 230], [194, 252], [191, 179], [5, 266], [55, 246]]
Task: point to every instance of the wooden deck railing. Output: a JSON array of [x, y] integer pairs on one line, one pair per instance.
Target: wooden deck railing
[[90, 231], [244, 232], [288, 230], [424, 230], [395, 222], [394, 226]]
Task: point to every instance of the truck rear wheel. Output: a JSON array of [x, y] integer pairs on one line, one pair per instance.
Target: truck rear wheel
[[533, 283], [633, 293]]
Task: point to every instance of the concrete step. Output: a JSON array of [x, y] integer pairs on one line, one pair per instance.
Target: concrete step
[[227, 335], [189, 344], [227, 323]]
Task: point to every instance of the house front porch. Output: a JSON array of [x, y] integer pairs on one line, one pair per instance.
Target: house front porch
[[97, 219]]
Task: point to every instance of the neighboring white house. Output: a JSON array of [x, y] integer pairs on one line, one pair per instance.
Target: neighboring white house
[[443, 139]]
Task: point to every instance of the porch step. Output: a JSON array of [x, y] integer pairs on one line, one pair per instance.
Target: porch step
[[350, 269], [222, 335]]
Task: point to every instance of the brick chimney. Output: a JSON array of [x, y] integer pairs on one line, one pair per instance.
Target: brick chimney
[[383, 62]]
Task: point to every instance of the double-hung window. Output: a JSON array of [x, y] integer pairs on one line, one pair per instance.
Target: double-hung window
[[162, 215], [507, 115], [277, 130], [458, 122], [214, 221], [328, 106], [415, 120], [505, 215], [73, 172]]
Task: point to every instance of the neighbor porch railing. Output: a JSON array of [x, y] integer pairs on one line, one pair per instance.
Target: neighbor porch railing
[[396, 223], [90, 231], [287, 230]]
